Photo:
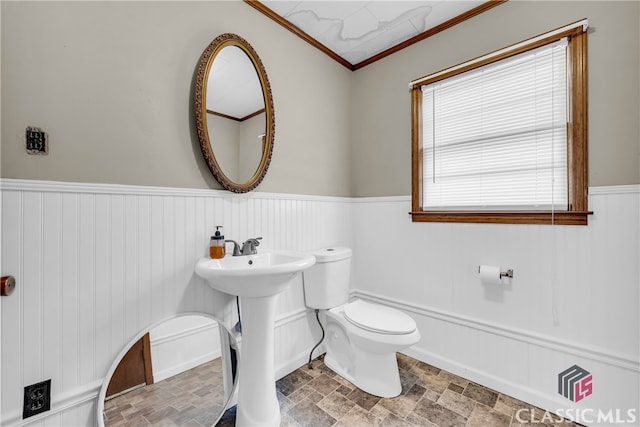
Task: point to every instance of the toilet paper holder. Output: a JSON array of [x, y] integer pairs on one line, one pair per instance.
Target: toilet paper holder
[[508, 273]]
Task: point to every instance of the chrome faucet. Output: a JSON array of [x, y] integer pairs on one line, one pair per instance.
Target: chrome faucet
[[248, 247]]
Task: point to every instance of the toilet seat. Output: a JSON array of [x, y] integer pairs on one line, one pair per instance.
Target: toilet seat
[[378, 318]]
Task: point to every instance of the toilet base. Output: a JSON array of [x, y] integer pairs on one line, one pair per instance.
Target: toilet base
[[376, 374], [366, 359]]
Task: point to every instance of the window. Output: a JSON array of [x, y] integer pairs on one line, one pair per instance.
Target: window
[[502, 138]]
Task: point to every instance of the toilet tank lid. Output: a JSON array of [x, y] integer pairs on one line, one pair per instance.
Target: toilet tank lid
[[335, 253]]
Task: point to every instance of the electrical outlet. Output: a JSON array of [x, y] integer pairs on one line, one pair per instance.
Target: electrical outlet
[[36, 141], [37, 399]]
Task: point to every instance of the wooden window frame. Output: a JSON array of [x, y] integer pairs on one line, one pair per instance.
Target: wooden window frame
[[577, 213]]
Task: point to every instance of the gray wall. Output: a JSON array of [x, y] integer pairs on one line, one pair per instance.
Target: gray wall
[[112, 82], [381, 104]]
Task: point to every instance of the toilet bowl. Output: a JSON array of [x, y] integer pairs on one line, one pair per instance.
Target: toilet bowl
[[362, 339]]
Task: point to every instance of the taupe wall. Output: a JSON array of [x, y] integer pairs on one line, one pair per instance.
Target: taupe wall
[[111, 83], [381, 105]]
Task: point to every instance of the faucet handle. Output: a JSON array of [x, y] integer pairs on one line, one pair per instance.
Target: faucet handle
[[255, 242], [249, 246]]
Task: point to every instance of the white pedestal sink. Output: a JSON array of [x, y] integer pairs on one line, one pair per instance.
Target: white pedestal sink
[[257, 280]]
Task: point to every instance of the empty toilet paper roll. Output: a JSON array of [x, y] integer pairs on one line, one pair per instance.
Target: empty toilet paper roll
[[490, 275]]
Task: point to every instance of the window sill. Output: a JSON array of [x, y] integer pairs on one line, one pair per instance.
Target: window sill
[[503, 217]]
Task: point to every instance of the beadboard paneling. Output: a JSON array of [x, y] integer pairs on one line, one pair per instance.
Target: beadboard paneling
[[96, 264], [574, 297]]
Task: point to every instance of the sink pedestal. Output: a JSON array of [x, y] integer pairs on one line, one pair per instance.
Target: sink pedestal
[[257, 399], [257, 279]]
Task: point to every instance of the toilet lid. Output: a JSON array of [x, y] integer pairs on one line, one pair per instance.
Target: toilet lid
[[378, 318]]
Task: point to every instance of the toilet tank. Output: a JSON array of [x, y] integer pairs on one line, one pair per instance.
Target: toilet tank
[[326, 284]]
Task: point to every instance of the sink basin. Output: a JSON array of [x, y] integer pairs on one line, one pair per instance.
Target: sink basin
[[257, 280], [254, 276]]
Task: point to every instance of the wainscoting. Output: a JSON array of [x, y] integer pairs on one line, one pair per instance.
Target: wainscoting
[[97, 264], [574, 298]]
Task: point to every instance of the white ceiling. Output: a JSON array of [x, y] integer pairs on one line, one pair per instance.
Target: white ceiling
[[233, 88], [358, 30], [353, 30]]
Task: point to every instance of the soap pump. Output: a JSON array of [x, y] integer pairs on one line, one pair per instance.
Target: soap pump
[[217, 246]]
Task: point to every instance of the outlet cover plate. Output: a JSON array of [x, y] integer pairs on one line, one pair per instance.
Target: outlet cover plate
[[37, 399], [37, 141]]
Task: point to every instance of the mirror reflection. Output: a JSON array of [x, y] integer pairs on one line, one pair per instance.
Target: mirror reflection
[[234, 113], [181, 372]]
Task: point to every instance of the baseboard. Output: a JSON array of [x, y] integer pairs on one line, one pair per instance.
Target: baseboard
[[509, 388], [185, 366]]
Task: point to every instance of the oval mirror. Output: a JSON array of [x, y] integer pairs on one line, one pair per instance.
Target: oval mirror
[[180, 372], [234, 113]]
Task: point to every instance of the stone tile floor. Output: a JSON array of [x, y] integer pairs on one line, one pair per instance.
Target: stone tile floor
[[192, 398], [430, 397], [319, 397]]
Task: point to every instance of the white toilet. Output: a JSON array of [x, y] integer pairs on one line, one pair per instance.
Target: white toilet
[[362, 338]]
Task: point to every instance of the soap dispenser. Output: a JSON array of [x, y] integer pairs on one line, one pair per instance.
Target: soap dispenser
[[217, 246]]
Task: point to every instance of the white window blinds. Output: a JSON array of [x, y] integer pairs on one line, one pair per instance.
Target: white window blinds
[[496, 137]]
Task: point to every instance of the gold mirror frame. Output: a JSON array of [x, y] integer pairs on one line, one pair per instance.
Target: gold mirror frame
[[202, 78]]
